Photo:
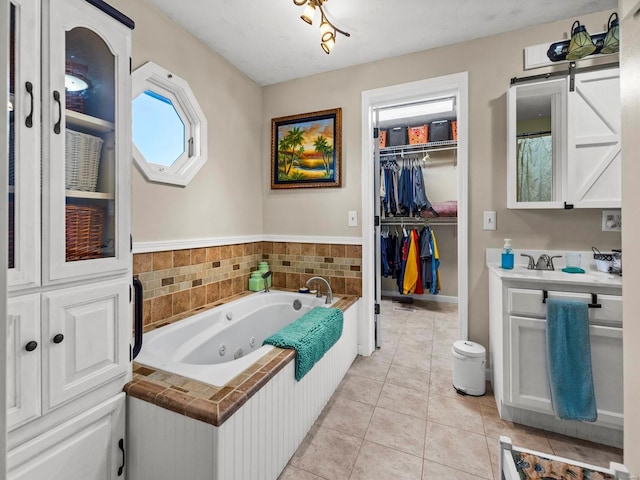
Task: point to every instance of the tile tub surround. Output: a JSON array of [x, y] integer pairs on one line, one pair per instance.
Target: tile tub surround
[[177, 281], [204, 402]]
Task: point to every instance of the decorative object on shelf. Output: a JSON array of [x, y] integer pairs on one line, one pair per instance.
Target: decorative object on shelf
[[397, 136], [306, 150], [582, 44], [327, 29], [612, 40], [418, 135]]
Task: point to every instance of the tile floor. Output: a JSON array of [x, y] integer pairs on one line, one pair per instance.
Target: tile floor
[[396, 416]]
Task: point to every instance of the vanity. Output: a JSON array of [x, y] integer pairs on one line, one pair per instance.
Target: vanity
[[518, 358]]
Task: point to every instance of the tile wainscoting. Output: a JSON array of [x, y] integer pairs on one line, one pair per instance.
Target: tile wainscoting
[[176, 281]]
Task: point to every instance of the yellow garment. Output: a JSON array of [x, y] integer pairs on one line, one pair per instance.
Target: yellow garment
[[411, 268], [436, 256]]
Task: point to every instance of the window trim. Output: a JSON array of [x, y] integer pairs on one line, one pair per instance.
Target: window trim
[[151, 76]]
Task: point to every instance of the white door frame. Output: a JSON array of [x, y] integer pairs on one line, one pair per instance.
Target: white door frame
[[456, 84]]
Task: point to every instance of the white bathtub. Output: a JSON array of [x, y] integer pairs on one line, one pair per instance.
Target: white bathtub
[[256, 441], [216, 345]]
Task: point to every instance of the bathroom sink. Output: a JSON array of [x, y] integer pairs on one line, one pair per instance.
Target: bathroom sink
[[520, 272]]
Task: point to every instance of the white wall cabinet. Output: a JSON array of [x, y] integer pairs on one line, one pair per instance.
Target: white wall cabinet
[[69, 229], [564, 147], [89, 447]]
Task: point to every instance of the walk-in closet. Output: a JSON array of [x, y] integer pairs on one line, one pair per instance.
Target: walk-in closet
[[416, 203]]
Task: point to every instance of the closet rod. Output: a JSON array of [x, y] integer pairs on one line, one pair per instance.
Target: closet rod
[[420, 221], [417, 152], [533, 134]]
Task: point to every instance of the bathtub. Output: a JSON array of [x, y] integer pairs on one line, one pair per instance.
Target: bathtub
[[257, 440], [216, 345]]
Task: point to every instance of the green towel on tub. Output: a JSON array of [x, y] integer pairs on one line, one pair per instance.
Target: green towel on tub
[[311, 336]]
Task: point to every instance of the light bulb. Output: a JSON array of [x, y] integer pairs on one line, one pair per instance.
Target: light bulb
[[326, 31], [309, 13]]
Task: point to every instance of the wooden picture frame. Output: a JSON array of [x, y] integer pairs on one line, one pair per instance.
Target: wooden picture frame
[[306, 150]]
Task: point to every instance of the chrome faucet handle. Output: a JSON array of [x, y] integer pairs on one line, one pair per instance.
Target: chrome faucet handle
[[531, 265], [551, 261]]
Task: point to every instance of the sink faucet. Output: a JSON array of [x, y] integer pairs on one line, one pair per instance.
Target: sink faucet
[[545, 262], [329, 292]]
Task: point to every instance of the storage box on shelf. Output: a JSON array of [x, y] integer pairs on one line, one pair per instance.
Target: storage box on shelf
[[418, 135]]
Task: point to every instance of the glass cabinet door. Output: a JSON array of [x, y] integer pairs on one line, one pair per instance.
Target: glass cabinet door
[[23, 245], [88, 162]]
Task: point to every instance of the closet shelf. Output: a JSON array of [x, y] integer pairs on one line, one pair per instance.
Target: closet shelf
[[419, 221], [419, 148]]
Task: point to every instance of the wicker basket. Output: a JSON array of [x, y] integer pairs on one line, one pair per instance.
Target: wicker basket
[[84, 224], [75, 100], [82, 155]]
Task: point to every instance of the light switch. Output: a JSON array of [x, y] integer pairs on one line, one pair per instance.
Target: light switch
[[353, 218], [489, 221]]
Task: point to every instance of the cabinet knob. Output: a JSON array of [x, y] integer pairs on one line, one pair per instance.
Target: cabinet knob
[[31, 346], [58, 338]]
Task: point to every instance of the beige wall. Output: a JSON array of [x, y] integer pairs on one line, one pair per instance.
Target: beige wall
[[630, 72], [491, 62], [223, 199]]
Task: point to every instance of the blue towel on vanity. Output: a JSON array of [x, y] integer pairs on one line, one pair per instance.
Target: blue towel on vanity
[[569, 360], [311, 335]]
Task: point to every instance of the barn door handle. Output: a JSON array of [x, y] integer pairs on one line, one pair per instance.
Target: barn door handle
[[124, 458]]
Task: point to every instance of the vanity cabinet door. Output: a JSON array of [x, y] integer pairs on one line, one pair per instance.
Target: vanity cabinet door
[[528, 375], [594, 160], [528, 370]]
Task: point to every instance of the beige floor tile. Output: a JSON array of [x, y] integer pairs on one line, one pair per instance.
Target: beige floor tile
[[459, 412], [360, 389], [420, 320], [442, 364], [370, 367], [458, 449], [442, 347], [411, 342], [520, 435], [436, 471], [404, 400], [293, 473], [408, 377], [346, 416], [583, 451], [396, 430], [327, 453], [414, 357], [441, 383], [385, 353], [378, 462]]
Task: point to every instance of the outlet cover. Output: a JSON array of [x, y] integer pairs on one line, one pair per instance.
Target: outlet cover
[[611, 221], [489, 222]]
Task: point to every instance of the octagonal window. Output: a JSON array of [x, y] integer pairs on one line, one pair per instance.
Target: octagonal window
[[169, 127], [158, 130]]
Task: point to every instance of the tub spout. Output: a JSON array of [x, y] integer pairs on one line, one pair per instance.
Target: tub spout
[[265, 277], [329, 292]]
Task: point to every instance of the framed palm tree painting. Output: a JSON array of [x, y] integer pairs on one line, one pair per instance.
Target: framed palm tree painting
[[306, 150]]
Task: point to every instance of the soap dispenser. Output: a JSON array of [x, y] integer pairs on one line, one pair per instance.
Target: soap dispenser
[[507, 255]]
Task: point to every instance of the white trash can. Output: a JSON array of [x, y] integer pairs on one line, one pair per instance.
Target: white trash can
[[469, 359]]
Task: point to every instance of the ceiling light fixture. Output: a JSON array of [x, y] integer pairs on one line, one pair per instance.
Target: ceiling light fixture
[[327, 29]]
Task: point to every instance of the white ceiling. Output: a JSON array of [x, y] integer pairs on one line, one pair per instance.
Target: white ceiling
[[269, 42]]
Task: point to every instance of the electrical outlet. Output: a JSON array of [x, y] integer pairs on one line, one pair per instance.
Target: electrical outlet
[[489, 221], [353, 218], [611, 221]]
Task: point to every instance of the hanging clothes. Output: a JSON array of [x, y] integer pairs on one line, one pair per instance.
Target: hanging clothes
[[419, 290], [435, 264], [411, 267]]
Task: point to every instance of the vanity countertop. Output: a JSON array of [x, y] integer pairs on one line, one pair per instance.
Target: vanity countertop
[[591, 277]]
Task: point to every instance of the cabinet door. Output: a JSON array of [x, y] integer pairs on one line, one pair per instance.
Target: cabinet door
[[24, 145], [528, 377], [87, 142], [87, 331], [23, 360], [594, 150], [85, 448]]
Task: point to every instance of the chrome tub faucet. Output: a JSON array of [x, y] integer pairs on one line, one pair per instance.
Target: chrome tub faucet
[[319, 294]]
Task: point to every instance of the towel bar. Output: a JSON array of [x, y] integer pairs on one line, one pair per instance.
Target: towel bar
[[594, 301]]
